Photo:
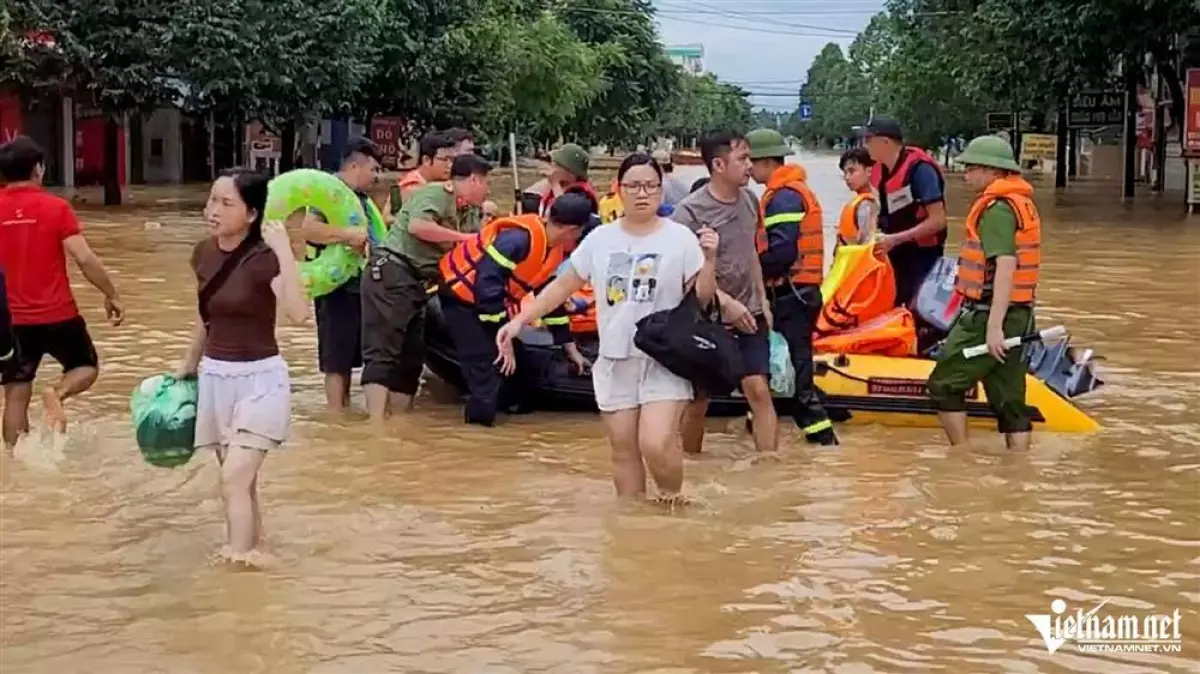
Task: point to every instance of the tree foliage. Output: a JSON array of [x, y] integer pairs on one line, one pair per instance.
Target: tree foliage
[[940, 65], [583, 70], [636, 75], [702, 103]]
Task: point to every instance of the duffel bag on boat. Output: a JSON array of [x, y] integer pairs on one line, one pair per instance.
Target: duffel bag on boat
[[689, 342]]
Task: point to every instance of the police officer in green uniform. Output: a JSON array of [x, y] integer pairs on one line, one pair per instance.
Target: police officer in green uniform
[[998, 269]]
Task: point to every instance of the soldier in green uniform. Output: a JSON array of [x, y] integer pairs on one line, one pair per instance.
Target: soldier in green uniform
[[399, 275], [997, 276]]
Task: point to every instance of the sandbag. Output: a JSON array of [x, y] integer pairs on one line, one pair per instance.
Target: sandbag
[[164, 419], [783, 373], [892, 334], [861, 286]]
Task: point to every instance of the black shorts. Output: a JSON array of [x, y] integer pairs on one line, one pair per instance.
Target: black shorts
[[339, 329], [67, 342], [755, 348], [393, 324]]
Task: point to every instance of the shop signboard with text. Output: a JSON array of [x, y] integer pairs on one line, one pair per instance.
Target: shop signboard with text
[[1191, 118], [385, 134]]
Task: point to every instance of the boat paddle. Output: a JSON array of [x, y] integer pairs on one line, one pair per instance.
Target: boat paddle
[[1048, 335]]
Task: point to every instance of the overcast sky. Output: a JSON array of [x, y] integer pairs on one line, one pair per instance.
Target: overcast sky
[[765, 46]]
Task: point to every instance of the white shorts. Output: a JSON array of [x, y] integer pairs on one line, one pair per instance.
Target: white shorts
[[247, 404], [629, 383]]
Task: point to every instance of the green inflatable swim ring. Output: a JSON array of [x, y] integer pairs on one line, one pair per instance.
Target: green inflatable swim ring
[[311, 188]]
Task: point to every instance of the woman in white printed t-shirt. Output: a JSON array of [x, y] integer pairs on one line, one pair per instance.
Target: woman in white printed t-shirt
[[637, 265]]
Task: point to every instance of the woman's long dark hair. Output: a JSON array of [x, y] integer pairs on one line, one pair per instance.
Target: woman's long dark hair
[[252, 188]]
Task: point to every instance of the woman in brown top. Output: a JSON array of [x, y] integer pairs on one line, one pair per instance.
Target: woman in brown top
[[244, 270]]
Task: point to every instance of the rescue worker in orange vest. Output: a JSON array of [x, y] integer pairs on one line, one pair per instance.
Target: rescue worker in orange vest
[[856, 224], [997, 277], [792, 254], [481, 277], [912, 205]]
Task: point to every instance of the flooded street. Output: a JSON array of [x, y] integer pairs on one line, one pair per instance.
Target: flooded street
[[434, 547]]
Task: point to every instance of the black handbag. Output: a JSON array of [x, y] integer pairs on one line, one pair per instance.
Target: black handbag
[[692, 343]]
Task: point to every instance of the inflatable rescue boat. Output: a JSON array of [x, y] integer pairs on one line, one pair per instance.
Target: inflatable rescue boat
[[888, 390]]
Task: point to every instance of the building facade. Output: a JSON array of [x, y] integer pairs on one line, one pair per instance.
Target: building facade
[[689, 57]]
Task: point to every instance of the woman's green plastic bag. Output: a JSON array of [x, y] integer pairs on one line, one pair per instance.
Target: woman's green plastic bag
[[783, 375], [164, 419]]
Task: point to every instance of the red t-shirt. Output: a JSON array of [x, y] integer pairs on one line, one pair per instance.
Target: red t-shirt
[[33, 226]]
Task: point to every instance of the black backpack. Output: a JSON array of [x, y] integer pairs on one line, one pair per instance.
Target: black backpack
[[692, 344]]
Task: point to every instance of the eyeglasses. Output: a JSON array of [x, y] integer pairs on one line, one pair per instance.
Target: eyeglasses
[[644, 188]]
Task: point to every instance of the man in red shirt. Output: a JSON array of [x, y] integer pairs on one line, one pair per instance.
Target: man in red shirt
[[37, 231]]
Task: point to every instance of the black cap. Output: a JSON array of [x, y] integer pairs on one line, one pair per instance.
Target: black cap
[[572, 209], [885, 127]]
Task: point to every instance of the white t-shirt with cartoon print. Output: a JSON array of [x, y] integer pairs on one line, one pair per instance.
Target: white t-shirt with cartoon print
[[634, 276]]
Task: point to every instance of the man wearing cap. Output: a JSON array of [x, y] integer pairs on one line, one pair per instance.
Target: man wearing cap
[[568, 168], [912, 205], [673, 190], [791, 250], [484, 276], [998, 269]]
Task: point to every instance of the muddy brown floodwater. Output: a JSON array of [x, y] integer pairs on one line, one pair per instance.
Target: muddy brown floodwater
[[441, 548]]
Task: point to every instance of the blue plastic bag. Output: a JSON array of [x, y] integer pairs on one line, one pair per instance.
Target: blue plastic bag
[[164, 419], [783, 375]]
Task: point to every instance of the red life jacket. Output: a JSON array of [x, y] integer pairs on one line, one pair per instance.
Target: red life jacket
[[581, 186], [898, 211]]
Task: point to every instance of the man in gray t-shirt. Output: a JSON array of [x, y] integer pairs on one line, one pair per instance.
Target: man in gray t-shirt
[[727, 206]]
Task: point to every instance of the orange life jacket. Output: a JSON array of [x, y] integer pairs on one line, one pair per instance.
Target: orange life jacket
[[868, 291], [810, 243], [582, 311], [898, 211], [972, 263], [458, 266], [891, 334], [848, 221]]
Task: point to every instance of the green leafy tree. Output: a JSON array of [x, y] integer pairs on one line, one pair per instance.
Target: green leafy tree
[[542, 75], [636, 75], [839, 95], [110, 53], [702, 103]]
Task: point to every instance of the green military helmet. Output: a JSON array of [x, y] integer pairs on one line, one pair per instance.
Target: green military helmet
[[767, 144], [990, 151]]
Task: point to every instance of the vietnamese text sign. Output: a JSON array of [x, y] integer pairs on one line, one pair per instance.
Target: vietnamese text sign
[[999, 121], [385, 134], [1097, 108], [1191, 114], [1038, 146]]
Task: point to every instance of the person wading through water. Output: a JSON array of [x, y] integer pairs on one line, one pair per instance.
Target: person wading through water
[[398, 278], [728, 207], [484, 276], [244, 272], [38, 231], [792, 252], [339, 313], [998, 268], [640, 264]]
